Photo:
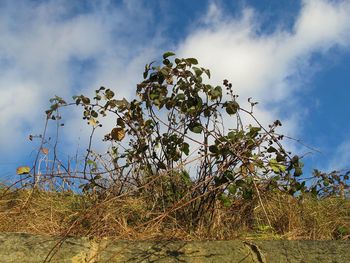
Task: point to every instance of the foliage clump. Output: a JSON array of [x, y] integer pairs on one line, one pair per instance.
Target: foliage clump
[[178, 122]]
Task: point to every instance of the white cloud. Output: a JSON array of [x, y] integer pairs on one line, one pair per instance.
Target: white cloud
[[321, 25], [39, 45], [269, 67], [341, 159]]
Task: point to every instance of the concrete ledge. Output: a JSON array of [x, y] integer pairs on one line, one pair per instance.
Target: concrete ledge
[[17, 247]]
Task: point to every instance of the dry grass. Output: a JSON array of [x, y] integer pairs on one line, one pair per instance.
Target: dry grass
[[136, 218], [307, 218]]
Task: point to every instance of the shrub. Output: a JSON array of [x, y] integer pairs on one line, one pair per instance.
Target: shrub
[[177, 121]]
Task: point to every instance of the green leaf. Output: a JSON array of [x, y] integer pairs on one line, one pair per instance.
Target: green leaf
[[254, 131], [226, 201], [168, 54], [180, 96], [229, 175], [206, 112], [192, 110], [282, 168], [166, 61], [91, 162], [343, 230], [192, 61], [145, 74], [298, 171], [207, 71], [295, 159], [196, 128], [215, 93], [232, 135], [154, 96], [85, 100], [158, 103], [164, 71], [109, 94], [54, 107], [276, 167], [271, 149], [213, 149], [300, 186], [232, 107], [185, 148], [240, 183], [232, 189], [197, 71], [247, 194], [94, 114]]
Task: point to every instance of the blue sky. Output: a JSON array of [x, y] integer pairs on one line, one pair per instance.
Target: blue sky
[[291, 56]]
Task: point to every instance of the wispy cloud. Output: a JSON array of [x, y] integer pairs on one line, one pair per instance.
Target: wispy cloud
[[341, 157], [271, 67], [64, 48]]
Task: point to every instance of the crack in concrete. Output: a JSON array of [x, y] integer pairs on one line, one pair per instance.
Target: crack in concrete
[[256, 252]]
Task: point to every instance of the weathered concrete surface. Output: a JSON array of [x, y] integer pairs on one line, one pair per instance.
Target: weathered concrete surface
[[16, 247]]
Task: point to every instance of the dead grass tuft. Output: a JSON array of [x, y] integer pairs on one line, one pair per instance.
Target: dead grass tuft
[[136, 218]]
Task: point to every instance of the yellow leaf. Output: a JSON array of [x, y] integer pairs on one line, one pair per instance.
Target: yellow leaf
[[251, 168], [92, 122], [118, 134], [45, 151], [23, 170], [244, 170]]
